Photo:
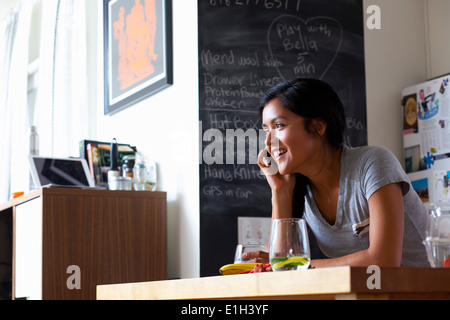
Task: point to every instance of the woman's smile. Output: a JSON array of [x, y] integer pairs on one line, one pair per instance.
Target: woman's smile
[[277, 154]]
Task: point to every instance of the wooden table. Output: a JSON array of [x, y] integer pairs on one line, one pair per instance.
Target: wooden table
[[326, 283]]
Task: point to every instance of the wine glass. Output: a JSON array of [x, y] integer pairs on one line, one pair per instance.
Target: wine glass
[[289, 245], [245, 248]]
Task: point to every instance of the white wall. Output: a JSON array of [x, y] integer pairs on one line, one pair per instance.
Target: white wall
[[165, 128], [405, 51], [411, 47], [395, 59], [438, 37]]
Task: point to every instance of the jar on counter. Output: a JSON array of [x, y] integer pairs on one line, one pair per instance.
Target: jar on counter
[[144, 173], [127, 166], [119, 183]]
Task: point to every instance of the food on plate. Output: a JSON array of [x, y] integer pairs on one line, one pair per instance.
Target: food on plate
[[260, 268], [447, 262], [240, 268]]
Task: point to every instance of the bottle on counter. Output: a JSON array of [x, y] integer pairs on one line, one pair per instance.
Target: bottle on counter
[[144, 173], [34, 150], [128, 166], [34, 141], [151, 176]]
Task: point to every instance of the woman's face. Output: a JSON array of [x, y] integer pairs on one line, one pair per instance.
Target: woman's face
[[293, 148]]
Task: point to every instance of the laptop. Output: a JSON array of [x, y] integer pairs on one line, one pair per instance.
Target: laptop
[[60, 172]]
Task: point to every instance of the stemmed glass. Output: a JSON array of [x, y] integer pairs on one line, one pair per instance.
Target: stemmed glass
[[289, 245], [246, 248]]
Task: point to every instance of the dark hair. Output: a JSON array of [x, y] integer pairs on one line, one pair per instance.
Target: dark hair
[[311, 99]]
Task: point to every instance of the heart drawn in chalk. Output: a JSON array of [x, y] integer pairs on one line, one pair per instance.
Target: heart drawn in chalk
[[304, 48]]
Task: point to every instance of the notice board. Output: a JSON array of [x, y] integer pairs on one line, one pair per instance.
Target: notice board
[[245, 47]]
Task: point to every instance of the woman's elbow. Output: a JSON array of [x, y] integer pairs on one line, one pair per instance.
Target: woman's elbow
[[385, 259]]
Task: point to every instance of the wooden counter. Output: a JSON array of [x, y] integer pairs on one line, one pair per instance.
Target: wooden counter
[[110, 236], [326, 283]]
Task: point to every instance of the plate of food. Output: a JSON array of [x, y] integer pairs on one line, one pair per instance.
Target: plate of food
[[242, 268]]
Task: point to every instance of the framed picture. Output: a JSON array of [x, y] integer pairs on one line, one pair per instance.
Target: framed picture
[[137, 50]]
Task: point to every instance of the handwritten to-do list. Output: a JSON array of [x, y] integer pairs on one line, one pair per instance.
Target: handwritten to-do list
[[246, 47]]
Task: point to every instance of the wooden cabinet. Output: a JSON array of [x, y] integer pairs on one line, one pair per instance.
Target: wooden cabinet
[[56, 238]]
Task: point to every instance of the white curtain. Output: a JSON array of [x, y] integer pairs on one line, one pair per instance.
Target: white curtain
[[62, 102], [14, 123], [61, 111]]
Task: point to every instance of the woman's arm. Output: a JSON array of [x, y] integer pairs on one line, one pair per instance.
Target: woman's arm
[[385, 232], [282, 188]]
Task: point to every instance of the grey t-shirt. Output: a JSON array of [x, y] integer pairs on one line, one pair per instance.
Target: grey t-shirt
[[364, 170]]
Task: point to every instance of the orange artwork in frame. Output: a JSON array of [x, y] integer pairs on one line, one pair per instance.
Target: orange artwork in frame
[[137, 50]]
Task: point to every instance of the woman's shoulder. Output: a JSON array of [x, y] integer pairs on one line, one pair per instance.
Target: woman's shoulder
[[375, 165], [370, 159], [366, 149], [367, 153]]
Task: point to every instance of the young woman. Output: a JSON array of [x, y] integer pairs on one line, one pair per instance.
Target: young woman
[[358, 202]]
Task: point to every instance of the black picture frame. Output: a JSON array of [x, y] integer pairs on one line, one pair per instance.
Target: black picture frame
[[137, 51]]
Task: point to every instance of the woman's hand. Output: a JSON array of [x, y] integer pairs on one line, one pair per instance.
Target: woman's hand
[[282, 186], [256, 256], [277, 182]]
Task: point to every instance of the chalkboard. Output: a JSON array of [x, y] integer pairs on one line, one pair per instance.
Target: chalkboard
[[245, 48]]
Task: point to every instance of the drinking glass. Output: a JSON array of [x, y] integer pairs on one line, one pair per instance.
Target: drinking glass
[[243, 248], [289, 245]]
